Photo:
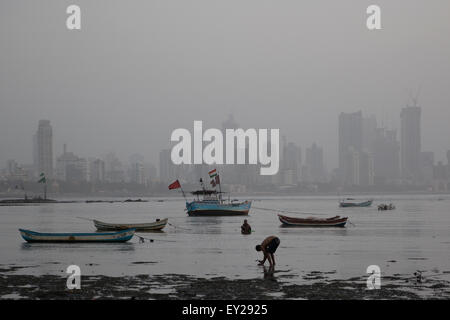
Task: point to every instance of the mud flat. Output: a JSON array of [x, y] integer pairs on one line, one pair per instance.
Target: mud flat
[[176, 286]]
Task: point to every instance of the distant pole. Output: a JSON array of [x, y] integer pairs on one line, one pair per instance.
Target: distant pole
[[45, 190], [182, 191], [220, 187]]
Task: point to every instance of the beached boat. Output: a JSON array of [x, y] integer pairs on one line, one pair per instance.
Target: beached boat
[[212, 204], [352, 203], [336, 221], [120, 236], [149, 226]]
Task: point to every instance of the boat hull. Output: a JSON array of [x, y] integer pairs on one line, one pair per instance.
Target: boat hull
[[199, 208], [152, 226], [120, 236], [313, 222], [353, 204]]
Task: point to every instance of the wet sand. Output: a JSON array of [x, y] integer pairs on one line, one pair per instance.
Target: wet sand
[[176, 286]]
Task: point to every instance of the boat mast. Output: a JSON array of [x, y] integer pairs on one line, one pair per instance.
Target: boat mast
[[220, 187]]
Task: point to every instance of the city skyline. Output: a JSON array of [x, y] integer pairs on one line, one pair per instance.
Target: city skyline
[[150, 155], [125, 84], [370, 154]]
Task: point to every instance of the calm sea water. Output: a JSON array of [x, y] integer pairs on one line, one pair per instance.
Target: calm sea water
[[415, 236]]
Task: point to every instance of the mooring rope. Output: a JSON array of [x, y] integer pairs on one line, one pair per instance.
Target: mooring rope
[[286, 211], [177, 226], [85, 218], [142, 239]]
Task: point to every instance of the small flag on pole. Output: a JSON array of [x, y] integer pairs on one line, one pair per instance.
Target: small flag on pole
[[42, 178], [175, 185], [217, 179], [212, 173]]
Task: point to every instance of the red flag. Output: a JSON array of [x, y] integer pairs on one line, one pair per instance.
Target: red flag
[[213, 183], [217, 179], [175, 185]]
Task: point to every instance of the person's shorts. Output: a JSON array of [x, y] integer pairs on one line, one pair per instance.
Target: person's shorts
[[273, 245]]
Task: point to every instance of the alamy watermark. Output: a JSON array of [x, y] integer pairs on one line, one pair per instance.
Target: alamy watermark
[[74, 278], [251, 144], [374, 280], [373, 21]]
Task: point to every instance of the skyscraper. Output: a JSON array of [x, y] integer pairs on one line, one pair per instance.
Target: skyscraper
[[410, 142], [114, 171], [239, 174], [70, 167], [386, 151], [43, 153], [166, 167], [136, 171], [369, 130], [350, 144], [366, 172], [314, 164], [96, 170], [291, 163]]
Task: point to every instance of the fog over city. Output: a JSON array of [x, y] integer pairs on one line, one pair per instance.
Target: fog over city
[[137, 70]]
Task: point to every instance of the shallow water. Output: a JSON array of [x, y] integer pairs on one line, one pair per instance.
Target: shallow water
[[415, 236]]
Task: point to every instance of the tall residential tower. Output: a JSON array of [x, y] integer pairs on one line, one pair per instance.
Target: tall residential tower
[[43, 149], [410, 142]]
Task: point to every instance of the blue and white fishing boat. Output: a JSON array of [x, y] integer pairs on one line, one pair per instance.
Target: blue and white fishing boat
[[212, 204], [120, 236]]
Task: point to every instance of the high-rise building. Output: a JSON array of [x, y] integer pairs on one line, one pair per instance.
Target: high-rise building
[[70, 167], [351, 167], [410, 142], [386, 154], [314, 164], [291, 163], [150, 172], [136, 172], [426, 166], [114, 171], [43, 152], [350, 144], [35, 155], [366, 172], [96, 170], [369, 129], [166, 167], [237, 174]]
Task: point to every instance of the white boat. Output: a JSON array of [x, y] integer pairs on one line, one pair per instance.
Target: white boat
[[149, 226]]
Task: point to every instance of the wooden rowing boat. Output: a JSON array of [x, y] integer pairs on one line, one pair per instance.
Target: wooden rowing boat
[[336, 221], [150, 226], [121, 236], [347, 203]]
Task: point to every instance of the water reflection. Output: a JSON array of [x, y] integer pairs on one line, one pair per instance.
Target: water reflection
[[71, 247], [269, 273]]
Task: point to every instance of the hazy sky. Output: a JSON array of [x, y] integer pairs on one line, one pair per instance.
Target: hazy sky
[[139, 69]]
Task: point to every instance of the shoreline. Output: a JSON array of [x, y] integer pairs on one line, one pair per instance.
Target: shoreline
[[270, 286], [73, 198]]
